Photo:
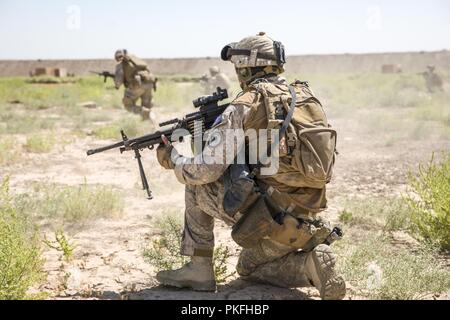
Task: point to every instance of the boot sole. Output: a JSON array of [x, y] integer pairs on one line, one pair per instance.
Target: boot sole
[[209, 286], [333, 286]]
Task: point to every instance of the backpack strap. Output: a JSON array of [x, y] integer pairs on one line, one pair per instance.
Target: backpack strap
[[282, 131], [288, 118]]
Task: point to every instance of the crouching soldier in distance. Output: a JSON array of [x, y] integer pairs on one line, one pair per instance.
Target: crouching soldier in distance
[[215, 79], [139, 83], [274, 217]]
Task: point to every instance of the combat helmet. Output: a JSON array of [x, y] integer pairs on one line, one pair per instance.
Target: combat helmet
[[214, 70], [255, 57], [120, 54]]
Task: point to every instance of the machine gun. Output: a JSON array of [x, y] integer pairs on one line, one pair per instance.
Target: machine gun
[[209, 110], [104, 74]]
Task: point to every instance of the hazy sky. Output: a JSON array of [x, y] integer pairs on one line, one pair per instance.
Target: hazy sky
[[174, 28]]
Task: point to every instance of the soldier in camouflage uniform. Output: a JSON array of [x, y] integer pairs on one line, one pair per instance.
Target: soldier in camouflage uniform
[[270, 261], [433, 80], [139, 83], [214, 80]]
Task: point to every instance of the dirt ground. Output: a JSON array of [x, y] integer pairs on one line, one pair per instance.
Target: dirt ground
[[108, 261]]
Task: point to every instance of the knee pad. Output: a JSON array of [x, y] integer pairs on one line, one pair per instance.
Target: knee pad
[[249, 260]]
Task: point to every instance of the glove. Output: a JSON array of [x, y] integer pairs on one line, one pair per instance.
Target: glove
[[163, 154]]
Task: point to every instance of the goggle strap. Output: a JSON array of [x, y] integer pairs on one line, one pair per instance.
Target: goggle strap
[[246, 52]]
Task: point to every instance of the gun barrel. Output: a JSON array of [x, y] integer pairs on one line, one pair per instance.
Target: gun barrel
[[165, 123], [101, 149]]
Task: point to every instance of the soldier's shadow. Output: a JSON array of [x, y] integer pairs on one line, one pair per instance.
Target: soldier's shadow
[[237, 289]]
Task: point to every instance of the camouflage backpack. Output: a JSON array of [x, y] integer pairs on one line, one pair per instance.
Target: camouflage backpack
[[307, 153], [138, 63], [308, 147]]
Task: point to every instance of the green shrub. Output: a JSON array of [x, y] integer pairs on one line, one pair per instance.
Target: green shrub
[[220, 258], [62, 244], [428, 198], [345, 216], [164, 251], [20, 253]]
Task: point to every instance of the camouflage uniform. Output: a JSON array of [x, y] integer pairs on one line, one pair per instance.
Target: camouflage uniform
[[204, 197], [133, 73], [269, 261]]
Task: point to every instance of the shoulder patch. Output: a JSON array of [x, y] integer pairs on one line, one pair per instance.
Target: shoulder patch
[[217, 121]]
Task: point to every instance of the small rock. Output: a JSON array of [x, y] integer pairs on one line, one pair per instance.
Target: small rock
[[88, 104], [74, 278]]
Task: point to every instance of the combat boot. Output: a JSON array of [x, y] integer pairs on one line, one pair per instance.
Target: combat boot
[[320, 270], [145, 113], [197, 275], [136, 109], [152, 118]]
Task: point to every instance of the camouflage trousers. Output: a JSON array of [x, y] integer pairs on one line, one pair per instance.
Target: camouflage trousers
[[132, 95], [269, 262]]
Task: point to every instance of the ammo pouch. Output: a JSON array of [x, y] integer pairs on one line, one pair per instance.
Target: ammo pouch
[[255, 224], [261, 221], [293, 232], [240, 190], [302, 234]]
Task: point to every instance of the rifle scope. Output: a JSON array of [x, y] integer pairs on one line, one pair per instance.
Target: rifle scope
[[220, 94]]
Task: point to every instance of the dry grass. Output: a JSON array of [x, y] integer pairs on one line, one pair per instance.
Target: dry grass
[[379, 271], [59, 205], [377, 268], [9, 150], [39, 143]]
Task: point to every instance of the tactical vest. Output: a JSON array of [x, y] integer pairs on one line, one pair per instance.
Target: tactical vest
[[307, 151]]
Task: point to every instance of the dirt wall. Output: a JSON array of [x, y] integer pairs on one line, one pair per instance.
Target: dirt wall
[[339, 63]]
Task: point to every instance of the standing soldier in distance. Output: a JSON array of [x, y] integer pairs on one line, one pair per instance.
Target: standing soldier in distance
[[139, 83], [433, 80], [298, 253]]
